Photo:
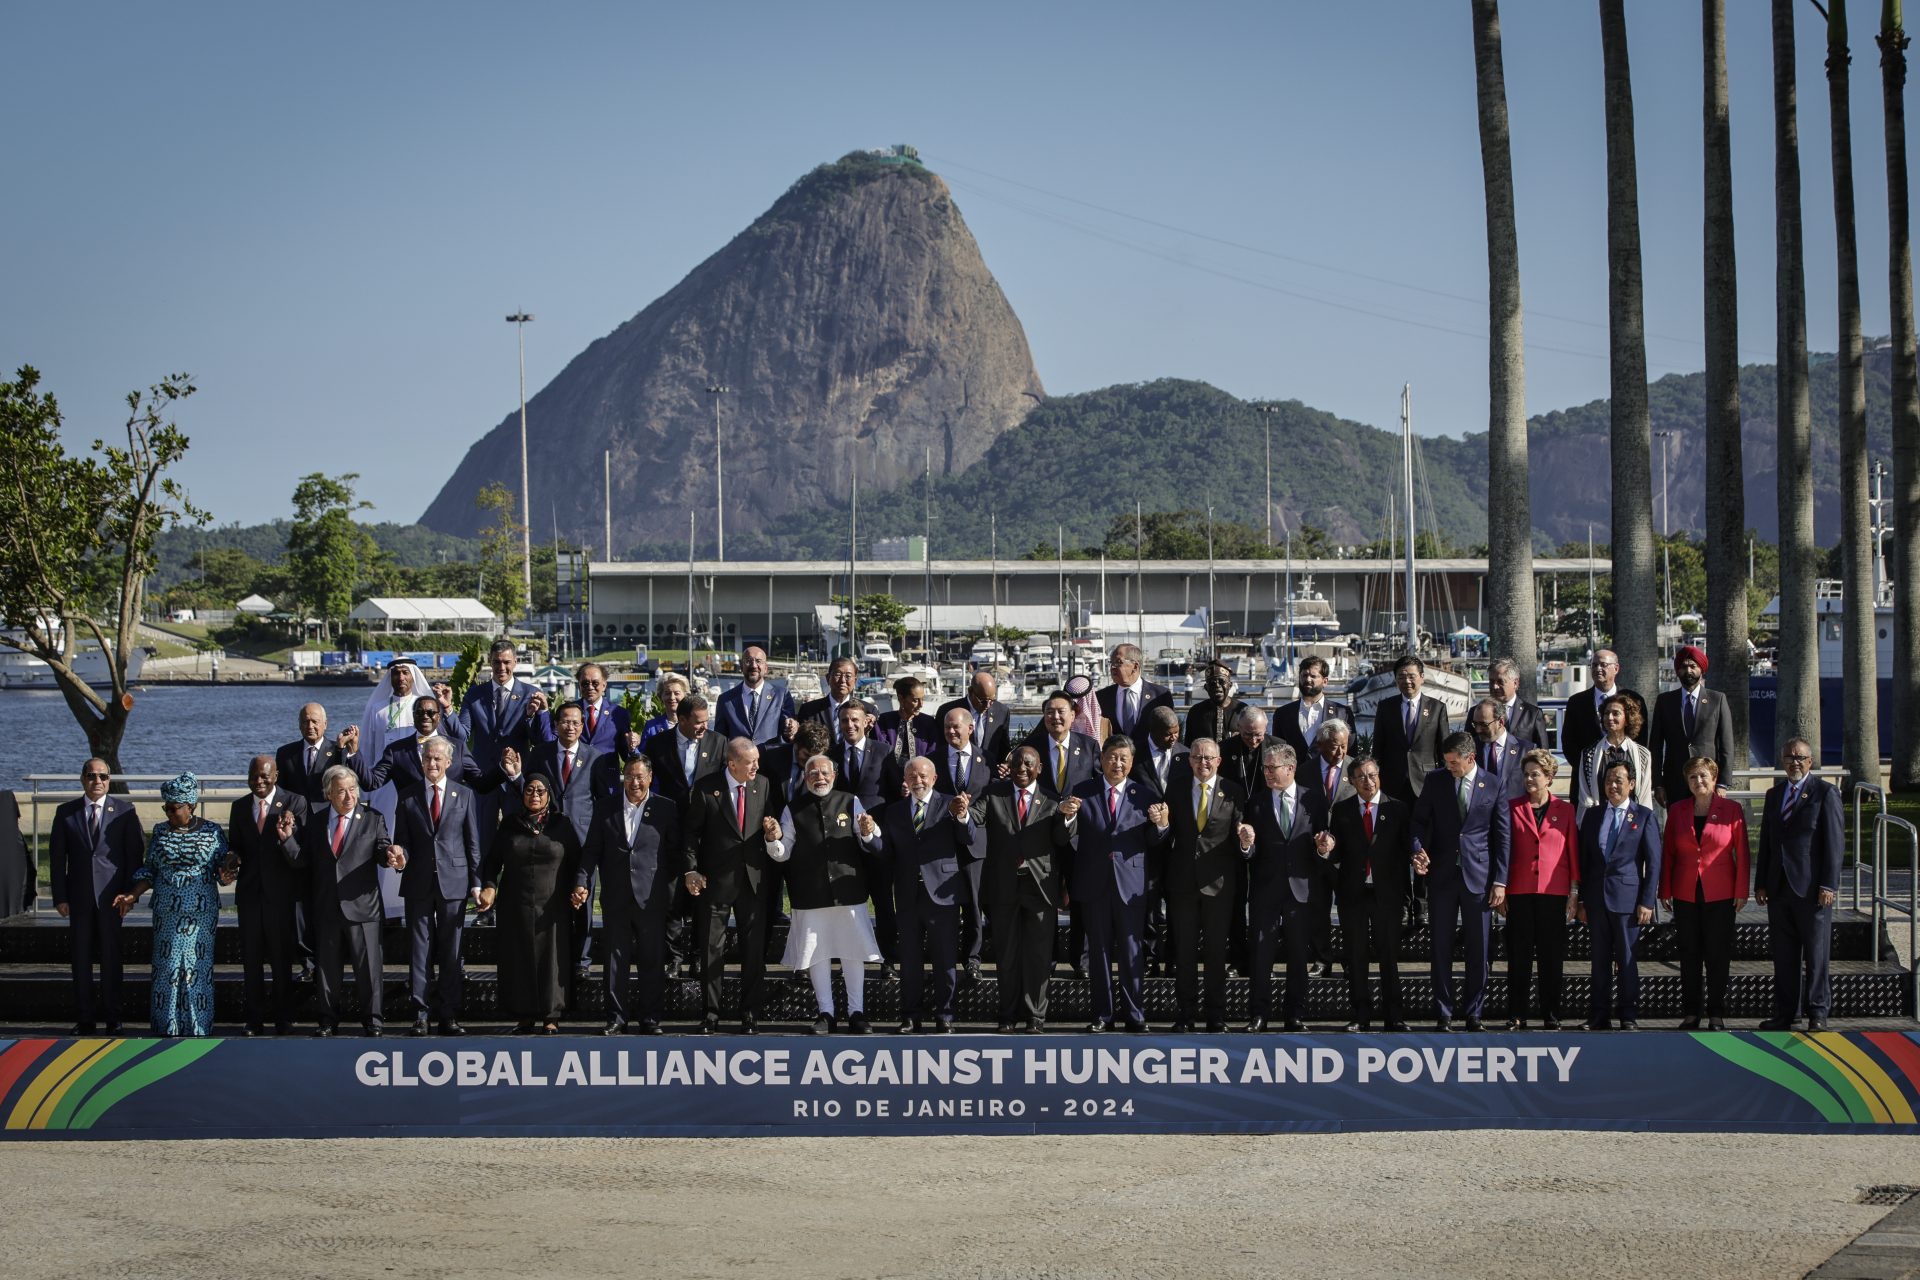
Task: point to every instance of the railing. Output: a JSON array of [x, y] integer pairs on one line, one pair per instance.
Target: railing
[[1883, 899], [235, 787], [1859, 833]]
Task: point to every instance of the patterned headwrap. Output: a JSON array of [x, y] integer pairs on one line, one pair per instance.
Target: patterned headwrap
[[1086, 706], [184, 789]]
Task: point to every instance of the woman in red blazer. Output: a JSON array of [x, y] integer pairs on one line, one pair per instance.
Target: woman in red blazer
[[1546, 842], [1703, 880]]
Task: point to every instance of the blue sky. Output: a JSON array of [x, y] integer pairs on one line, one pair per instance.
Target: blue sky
[[325, 212]]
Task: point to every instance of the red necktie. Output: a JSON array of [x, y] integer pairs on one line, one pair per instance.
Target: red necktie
[[1366, 820], [1332, 772], [436, 808], [593, 718], [740, 807], [260, 816], [566, 772], [1023, 807], [1113, 804], [339, 834]]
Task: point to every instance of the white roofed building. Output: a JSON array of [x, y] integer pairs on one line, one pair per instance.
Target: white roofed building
[[419, 615]]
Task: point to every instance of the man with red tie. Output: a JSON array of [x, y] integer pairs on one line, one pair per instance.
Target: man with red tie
[[440, 822], [1117, 830], [1373, 848], [342, 848], [729, 821], [1022, 880], [264, 893]]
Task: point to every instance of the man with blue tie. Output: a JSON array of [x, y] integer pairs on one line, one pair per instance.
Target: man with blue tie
[[1461, 836], [1126, 702], [864, 767], [634, 847], [1500, 751], [499, 715], [440, 823], [756, 708], [682, 758], [920, 839], [961, 768], [1286, 882], [1118, 831], [1795, 878], [1617, 880], [96, 846]]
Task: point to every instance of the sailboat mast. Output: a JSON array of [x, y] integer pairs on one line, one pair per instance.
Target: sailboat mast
[[1406, 465]]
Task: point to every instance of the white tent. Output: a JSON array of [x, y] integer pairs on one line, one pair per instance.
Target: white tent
[[421, 614]]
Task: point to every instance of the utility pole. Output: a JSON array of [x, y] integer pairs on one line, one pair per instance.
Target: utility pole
[[716, 390], [519, 320]]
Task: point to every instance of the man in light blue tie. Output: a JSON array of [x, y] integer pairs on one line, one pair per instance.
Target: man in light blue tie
[[1616, 881], [1795, 877], [1461, 838]]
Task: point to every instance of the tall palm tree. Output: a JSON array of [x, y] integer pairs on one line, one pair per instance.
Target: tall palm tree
[[1798, 663], [1860, 741], [1725, 461], [1906, 406], [1634, 617], [1510, 597]]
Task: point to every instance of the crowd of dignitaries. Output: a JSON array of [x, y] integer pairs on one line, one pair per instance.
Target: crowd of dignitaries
[[928, 841]]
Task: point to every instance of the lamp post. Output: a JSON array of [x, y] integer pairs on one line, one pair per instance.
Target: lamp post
[[519, 321], [1266, 412], [1666, 552], [716, 390]]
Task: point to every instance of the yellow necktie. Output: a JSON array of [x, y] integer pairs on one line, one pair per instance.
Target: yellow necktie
[[1059, 768], [1204, 789]]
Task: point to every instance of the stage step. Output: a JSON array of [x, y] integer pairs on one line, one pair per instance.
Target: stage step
[[41, 994]]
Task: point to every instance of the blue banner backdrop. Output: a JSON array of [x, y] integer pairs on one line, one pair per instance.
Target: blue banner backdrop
[[704, 1086]]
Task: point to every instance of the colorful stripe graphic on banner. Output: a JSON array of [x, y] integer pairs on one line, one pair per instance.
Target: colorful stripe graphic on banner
[[1831, 1071], [76, 1087]]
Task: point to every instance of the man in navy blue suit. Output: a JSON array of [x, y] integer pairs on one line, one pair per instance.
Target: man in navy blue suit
[[756, 708], [1795, 878], [1500, 750], [1126, 702], [1286, 882], [921, 837], [96, 846], [962, 766], [402, 762], [634, 847], [1617, 879], [1461, 837], [604, 722], [499, 714], [436, 829], [1119, 830], [863, 766]]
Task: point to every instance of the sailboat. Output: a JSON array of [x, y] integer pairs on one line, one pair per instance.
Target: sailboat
[[1450, 687]]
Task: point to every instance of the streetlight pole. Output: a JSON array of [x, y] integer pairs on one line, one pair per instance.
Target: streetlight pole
[[1666, 552], [1266, 412], [519, 320], [716, 390]]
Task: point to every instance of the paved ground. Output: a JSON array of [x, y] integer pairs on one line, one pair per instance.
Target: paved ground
[[1485, 1204]]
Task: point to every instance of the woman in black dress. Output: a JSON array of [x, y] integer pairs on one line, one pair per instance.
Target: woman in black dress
[[530, 869]]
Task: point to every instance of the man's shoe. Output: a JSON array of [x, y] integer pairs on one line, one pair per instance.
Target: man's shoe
[[1600, 1024], [614, 1027], [582, 972], [1181, 1028], [1716, 1024], [857, 1023], [1099, 1026], [1136, 1028], [710, 1025], [374, 1030], [1689, 1024], [907, 1027], [889, 971], [1295, 1026], [973, 971], [1777, 1024], [1398, 1026], [81, 1029], [323, 1031], [1005, 1028], [1628, 1024], [1036, 1026], [1255, 1026], [645, 1027], [1216, 1026], [823, 1025], [747, 1025], [1816, 1024], [283, 1028], [943, 1026], [1474, 1024], [420, 1025], [1317, 969], [448, 1027], [1443, 1024], [254, 1030], [1360, 1026], [1550, 1024]]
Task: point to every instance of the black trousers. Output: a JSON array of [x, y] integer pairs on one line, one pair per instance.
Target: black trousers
[[94, 930], [635, 936], [750, 928], [1705, 930], [1321, 941], [433, 942], [976, 915], [931, 932], [1023, 954], [333, 935], [1371, 922], [1290, 925], [1202, 930], [267, 940], [1801, 933], [878, 869], [1536, 936], [582, 922]]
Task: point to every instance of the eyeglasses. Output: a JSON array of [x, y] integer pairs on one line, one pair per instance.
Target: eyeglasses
[[96, 777], [1801, 757]]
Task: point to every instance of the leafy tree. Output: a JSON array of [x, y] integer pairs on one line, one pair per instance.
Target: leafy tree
[[329, 554], [77, 539], [877, 611], [503, 589]]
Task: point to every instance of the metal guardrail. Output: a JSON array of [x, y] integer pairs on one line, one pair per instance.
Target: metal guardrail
[[36, 797], [1882, 899], [1859, 832]]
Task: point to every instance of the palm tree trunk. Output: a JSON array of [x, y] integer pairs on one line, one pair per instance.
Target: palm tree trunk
[[1860, 741], [1798, 663], [1906, 407], [1726, 550], [1634, 616], [1510, 600]]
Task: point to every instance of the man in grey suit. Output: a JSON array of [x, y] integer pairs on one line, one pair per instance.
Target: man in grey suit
[[1795, 877], [439, 821], [341, 848], [1690, 721], [1523, 718]]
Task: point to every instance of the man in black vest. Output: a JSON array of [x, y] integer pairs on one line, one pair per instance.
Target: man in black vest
[[827, 887]]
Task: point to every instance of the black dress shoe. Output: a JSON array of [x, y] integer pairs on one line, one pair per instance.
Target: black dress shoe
[[822, 1025], [81, 1029], [1359, 1026], [1716, 1024], [323, 1031], [1816, 1024], [907, 1027], [1628, 1024], [1005, 1029], [1216, 1026], [1551, 1024], [614, 1027], [582, 972], [1474, 1024], [1181, 1028], [1600, 1024], [113, 1028], [644, 1027], [1255, 1026], [748, 1026], [1036, 1026], [857, 1023], [1398, 1026], [1099, 1026], [973, 971], [283, 1028], [889, 971], [550, 1029], [449, 1027], [1295, 1026], [710, 1025], [1316, 970], [1443, 1024], [1777, 1024], [1136, 1028], [251, 1032], [374, 1031], [1689, 1024], [420, 1025], [943, 1026]]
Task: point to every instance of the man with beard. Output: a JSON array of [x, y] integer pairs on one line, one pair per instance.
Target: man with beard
[[1298, 722], [1690, 721], [1215, 717], [817, 838]]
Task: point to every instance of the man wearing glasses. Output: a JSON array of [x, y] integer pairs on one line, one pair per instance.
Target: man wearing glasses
[[604, 723], [1794, 878], [96, 846]]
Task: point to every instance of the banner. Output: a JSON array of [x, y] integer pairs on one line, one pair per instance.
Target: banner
[[692, 1086]]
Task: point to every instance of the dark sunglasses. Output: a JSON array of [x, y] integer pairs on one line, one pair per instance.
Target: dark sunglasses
[[96, 777]]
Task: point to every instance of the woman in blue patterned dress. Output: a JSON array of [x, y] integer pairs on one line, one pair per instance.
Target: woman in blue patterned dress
[[185, 867]]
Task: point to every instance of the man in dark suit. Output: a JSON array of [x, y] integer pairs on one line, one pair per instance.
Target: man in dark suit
[[1524, 720], [1160, 767], [1462, 833], [580, 778], [920, 839], [1211, 840], [757, 708], [908, 730], [635, 849], [1022, 884], [988, 718], [1580, 724], [1067, 758], [500, 714], [1298, 722], [96, 845], [1690, 721], [341, 849], [1373, 847], [729, 821], [436, 829], [264, 893], [301, 764], [1291, 842], [1240, 754], [1325, 770], [685, 758], [1118, 832], [1214, 718], [1500, 749], [1617, 880], [864, 767], [1408, 728], [843, 674], [959, 767], [401, 761], [1796, 877], [1128, 700], [605, 724]]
